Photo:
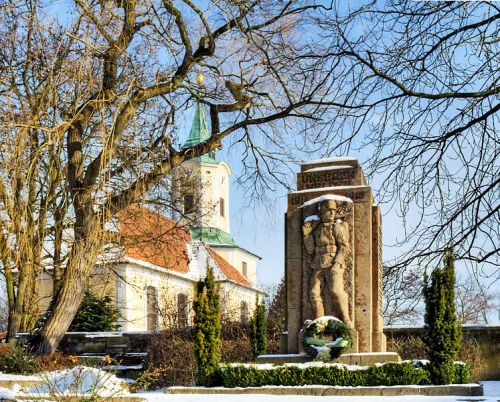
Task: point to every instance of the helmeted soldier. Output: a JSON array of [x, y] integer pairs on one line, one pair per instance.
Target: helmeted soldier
[[326, 240]]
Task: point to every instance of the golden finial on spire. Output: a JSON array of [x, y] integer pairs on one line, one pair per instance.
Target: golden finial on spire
[[199, 78]]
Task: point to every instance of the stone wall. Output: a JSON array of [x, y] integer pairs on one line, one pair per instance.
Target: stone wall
[[487, 337]]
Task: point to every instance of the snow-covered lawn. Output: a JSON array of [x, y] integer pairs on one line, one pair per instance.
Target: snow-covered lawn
[[86, 380]]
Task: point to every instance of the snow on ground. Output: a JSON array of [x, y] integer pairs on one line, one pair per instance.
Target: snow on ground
[[79, 380], [491, 388], [6, 394], [86, 380]]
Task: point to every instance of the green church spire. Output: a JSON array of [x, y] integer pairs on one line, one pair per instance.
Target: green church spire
[[199, 130]]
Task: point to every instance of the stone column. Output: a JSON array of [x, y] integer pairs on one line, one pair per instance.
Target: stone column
[[378, 337], [293, 275]]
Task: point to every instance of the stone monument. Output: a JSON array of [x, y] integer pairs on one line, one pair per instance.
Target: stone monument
[[333, 252]]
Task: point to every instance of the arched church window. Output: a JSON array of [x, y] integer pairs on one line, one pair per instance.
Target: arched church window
[[182, 310], [243, 311], [244, 268], [152, 308]]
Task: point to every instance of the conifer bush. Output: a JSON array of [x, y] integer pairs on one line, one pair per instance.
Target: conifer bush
[[95, 314], [258, 329], [443, 330], [207, 323]]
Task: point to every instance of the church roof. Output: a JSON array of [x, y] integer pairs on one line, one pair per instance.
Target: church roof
[[199, 133], [152, 238], [228, 270], [212, 236]]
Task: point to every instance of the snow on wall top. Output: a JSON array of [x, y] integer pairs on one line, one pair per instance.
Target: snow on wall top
[[327, 160], [326, 197], [321, 168]]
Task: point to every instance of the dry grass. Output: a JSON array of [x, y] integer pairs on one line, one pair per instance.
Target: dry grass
[[413, 347]]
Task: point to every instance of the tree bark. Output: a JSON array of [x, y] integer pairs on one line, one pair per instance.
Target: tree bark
[[78, 269]]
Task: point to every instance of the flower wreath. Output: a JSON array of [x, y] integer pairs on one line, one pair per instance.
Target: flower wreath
[[326, 337]]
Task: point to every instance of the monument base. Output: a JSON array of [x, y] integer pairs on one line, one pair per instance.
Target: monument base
[[357, 359], [368, 359]]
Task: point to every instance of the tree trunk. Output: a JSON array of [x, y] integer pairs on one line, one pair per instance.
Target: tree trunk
[[65, 304]]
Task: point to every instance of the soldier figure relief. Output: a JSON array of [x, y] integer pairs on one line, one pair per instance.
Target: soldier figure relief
[[326, 241]]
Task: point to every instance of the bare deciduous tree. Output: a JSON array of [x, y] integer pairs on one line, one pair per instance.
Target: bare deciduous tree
[[474, 302], [402, 296], [90, 93], [415, 87]]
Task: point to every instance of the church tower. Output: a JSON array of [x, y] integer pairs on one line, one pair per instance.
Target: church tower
[[202, 198]]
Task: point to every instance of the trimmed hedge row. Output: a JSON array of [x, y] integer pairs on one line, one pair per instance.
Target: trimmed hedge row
[[231, 376]]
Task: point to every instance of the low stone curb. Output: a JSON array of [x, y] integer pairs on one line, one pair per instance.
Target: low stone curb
[[315, 390], [73, 398]]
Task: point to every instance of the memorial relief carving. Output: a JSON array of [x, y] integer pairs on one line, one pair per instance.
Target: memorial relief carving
[[327, 245]]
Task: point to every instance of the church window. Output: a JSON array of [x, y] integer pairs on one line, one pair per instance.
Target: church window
[[243, 311], [244, 269], [222, 207], [182, 310], [188, 203], [152, 308]]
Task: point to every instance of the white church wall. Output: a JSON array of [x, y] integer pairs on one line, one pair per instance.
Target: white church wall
[[232, 297], [136, 280]]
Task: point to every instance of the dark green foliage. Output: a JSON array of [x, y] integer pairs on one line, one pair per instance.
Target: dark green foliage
[[207, 322], [95, 314], [463, 373], [443, 330], [258, 330], [385, 375], [15, 360], [276, 318]]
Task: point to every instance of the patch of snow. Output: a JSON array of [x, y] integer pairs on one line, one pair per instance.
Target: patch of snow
[[324, 318], [18, 377], [337, 167], [329, 160], [7, 394], [311, 218], [372, 354], [291, 355], [326, 197], [103, 334], [270, 366], [121, 367], [491, 388], [79, 380]]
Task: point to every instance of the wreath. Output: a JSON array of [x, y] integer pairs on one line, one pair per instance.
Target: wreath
[[327, 338]]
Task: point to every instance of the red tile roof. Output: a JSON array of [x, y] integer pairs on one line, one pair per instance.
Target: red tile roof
[[228, 270], [151, 237]]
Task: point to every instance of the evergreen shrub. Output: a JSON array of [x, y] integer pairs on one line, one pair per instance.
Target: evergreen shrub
[[16, 360], [95, 314], [258, 330], [207, 321], [443, 330], [388, 374]]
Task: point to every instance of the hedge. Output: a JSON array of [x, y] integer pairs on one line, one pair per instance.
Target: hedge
[[407, 373]]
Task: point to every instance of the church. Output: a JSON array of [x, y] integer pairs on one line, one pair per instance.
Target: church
[[152, 270]]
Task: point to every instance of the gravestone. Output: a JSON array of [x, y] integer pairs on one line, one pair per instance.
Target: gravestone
[[333, 252]]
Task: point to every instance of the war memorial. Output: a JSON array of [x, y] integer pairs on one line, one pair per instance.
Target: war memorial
[[333, 263]]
